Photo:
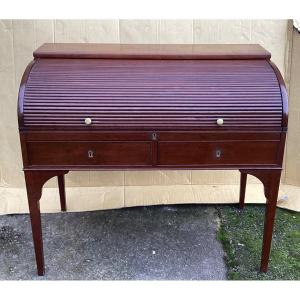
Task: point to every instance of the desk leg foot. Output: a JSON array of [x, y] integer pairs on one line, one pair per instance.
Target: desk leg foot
[[243, 183], [35, 216], [62, 192]]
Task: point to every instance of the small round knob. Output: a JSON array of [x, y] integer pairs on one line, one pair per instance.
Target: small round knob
[[88, 121], [220, 122]]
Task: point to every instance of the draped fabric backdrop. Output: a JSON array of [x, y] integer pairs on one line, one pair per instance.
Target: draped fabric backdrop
[[115, 189]]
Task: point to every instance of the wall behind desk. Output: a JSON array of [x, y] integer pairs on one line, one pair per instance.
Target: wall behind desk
[[19, 38]]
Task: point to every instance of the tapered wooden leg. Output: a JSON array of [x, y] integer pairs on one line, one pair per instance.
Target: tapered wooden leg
[[62, 192], [36, 226], [33, 195], [243, 183], [270, 212], [34, 184], [271, 182]]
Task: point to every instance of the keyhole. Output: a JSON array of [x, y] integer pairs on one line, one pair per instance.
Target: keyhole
[[218, 153], [154, 136], [90, 154]]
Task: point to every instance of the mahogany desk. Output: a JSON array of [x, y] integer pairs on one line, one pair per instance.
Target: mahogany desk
[[109, 106]]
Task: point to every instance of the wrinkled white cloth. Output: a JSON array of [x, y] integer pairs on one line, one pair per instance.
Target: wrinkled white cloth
[[296, 23]]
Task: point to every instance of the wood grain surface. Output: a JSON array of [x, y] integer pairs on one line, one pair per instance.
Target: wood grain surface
[[152, 51], [151, 94]]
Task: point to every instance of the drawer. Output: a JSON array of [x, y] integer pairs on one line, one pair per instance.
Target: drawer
[[90, 153], [224, 153]]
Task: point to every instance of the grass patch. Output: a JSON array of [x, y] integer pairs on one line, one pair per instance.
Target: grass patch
[[241, 235]]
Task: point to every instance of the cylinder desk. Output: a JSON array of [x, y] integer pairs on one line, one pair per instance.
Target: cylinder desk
[[111, 106]]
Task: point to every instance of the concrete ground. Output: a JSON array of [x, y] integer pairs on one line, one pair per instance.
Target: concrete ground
[[144, 243]]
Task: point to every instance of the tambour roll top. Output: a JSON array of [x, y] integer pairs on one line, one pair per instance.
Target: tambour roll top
[[157, 87]]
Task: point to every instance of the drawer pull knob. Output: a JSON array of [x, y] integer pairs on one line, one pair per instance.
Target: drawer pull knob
[[220, 122], [90, 154], [88, 121]]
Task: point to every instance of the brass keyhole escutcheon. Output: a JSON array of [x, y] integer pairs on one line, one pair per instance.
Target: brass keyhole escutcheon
[[90, 154], [218, 153], [154, 136]]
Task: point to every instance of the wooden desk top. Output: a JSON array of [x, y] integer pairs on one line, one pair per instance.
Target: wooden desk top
[[152, 51]]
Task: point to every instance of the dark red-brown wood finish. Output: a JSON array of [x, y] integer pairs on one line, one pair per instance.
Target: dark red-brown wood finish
[[93, 106], [152, 95], [152, 51]]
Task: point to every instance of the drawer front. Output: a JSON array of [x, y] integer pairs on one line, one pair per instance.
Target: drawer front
[[217, 153], [90, 153]]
